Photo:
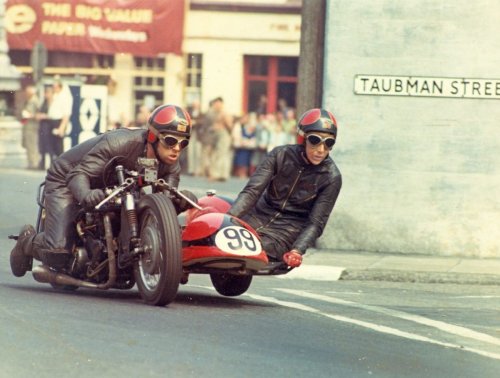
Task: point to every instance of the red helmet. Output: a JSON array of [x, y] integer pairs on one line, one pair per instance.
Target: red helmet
[[170, 119], [319, 120]]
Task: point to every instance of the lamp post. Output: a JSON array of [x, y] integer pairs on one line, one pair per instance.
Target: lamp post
[[11, 153]]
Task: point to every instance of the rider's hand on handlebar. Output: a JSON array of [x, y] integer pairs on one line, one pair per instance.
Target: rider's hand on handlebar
[[183, 205], [93, 197], [293, 258]]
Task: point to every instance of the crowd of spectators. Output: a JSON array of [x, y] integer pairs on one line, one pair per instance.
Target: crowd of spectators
[[222, 145], [45, 123]]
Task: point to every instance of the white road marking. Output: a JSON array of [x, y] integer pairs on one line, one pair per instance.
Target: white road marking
[[314, 273], [446, 327], [372, 326], [478, 296], [345, 292]]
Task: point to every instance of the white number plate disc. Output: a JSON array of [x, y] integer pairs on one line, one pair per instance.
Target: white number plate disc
[[237, 241]]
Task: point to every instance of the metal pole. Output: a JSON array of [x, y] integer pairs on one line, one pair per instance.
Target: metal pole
[[312, 38]]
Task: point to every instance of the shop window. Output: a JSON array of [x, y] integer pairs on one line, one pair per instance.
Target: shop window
[[104, 61], [269, 80], [20, 57], [288, 66], [194, 66], [90, 67], [148, 82], [258, 65]]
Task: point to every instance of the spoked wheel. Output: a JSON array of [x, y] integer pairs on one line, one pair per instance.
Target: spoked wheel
[[230, 285], [158, 271]]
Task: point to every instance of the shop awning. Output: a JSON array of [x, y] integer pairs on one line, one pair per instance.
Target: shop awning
[[142, 28]]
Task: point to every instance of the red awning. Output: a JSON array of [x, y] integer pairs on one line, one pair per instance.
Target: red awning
[[142, 28]]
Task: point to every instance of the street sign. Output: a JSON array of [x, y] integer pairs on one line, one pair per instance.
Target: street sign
[[38, 60]]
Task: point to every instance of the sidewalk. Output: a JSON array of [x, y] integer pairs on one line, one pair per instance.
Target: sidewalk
[[407, 268]]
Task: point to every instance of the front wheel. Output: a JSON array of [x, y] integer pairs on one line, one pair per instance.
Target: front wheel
[[158, 271], [230, 285]]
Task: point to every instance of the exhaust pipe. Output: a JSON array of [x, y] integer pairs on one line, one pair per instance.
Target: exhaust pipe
[[45, 275]]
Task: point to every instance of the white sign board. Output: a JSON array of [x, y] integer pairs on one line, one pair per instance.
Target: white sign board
[[419, 86]]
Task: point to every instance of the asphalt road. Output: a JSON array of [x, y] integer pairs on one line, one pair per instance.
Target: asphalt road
[[281, 327]]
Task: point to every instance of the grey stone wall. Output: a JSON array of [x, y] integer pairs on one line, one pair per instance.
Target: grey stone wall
[[421, 174]]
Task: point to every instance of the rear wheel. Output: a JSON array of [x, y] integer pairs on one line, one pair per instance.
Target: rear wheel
[[158, 271], [230, 285]]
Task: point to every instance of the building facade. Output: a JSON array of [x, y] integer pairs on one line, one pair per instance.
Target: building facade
[[244, 52], [416, 88], [239, 52]]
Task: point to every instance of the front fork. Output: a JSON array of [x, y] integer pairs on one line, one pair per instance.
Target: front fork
[[132, 227]]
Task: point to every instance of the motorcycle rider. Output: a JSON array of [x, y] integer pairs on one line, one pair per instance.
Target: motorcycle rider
[[289, 198], [76, 177]]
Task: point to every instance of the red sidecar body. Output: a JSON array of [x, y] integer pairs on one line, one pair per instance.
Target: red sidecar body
[[215, 242], [223, 246]]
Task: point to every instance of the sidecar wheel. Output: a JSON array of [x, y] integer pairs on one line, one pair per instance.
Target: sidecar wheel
[[230, 285], [158, 271]]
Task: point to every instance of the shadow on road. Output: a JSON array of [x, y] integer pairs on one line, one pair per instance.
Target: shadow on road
[[184, 297]]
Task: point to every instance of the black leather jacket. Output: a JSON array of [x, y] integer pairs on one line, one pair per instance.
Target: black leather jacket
[[90, 158], [289, 199], [81, 169]]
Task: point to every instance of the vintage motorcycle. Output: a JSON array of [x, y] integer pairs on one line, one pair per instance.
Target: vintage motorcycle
[[134, 236]]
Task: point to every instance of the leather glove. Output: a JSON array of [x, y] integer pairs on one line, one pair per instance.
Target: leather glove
[[80, 187], [181, 204], [292, 259], [93, 197]]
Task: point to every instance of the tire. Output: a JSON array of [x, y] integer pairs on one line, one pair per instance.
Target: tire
[[158, 271], [230, 285]]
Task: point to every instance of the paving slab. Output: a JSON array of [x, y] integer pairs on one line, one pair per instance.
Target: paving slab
[[379, 266], [341, 259], [478, 266], [415, 264]]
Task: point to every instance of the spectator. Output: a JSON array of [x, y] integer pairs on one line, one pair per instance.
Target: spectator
[[45, 144], [262, 105], [282, 107], [272, 123], [278, 136], [195, 167], [59, 114], [206, 134], [116, 117], [289, 124], [141, 118], [31, 127], [222, 124], [262, 138], [244, 143]]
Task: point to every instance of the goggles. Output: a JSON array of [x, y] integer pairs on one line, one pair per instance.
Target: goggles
[[315, 140], [170, 141]]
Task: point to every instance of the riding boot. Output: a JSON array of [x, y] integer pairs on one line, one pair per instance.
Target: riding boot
[[21, 256]]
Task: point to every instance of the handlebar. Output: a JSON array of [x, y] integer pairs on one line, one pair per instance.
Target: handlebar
[[166, 186], [126, 184]]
